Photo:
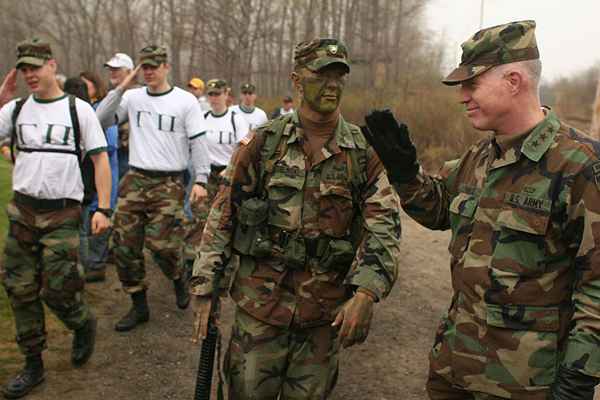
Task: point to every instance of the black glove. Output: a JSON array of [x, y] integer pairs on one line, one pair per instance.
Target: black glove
[[392, 144], [571, 384]]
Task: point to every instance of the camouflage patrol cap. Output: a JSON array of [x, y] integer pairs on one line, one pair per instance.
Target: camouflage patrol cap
[[494, 46], [216, 86], [34, 52], [319, 53], [153, 55], [248, 88]]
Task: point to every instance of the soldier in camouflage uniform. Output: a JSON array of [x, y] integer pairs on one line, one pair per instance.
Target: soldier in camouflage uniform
[[523, 206], [308, 207], [166, 129], [40, 255]]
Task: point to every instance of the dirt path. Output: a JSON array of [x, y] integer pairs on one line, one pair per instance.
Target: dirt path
[[158, 361]]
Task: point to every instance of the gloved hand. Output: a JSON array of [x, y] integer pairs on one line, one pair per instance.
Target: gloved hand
[[201, 306], [355, 319], [392, 144], [571, 384]]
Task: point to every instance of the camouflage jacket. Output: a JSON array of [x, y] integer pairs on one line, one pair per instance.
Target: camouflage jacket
[[525, 261], [316, 203]]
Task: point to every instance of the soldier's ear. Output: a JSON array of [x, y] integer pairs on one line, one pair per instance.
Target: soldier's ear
[[515, 81]]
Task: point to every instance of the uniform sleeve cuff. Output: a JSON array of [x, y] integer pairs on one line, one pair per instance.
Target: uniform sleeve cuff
[[201, 178], [371, 281]]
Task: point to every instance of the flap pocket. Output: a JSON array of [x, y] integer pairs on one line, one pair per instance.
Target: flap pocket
[[335, 189], [253, 212], [523, 318], [287, 176], [464, 204], [524, 220]]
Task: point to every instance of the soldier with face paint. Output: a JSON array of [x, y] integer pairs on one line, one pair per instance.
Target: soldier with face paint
[[307, 206]]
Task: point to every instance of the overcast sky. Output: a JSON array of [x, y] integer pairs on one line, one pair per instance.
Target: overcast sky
[[568, 31]]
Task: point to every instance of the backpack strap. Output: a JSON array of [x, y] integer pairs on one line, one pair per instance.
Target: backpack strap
[[13, 134], [271, 133], [233, 123], [76, 128], [206, 114]]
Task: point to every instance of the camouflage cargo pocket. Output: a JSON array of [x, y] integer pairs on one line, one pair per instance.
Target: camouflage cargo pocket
[[285, 198], [336, 210], [526, 353], [521, 244]]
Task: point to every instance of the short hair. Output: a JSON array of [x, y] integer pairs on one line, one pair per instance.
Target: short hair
[[78, 88], [532, 69]]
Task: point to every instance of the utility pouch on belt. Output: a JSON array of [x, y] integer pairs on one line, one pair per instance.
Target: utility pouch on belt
[[338, 255], [294, 252], [251, 234]]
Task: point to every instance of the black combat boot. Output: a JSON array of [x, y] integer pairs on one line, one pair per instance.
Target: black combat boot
[[84, 340], [138, 314], [31, 376], [182, 293]]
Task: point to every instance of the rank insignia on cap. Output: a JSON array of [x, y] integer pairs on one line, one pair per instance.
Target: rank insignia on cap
[[332, 49]]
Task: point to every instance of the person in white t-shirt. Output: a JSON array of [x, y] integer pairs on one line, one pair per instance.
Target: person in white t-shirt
[[247, 107], [196, 87], [166, 127], [40, 255], [225, 128], [287, 107]]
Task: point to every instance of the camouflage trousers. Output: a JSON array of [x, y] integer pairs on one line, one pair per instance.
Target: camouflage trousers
[[264, 362], [40, 264], [149, 213], [439, 388], [195, 227]]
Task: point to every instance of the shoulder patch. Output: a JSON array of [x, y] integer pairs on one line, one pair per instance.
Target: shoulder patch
[[246, 140]]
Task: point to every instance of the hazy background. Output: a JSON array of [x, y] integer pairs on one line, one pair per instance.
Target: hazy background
[[567, 31]]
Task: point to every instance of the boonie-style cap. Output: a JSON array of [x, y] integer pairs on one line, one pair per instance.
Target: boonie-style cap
[[153, 55], [216, 86], [34, 51], [501, 44], [319, 53]]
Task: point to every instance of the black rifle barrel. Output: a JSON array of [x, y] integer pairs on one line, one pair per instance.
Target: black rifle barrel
[[206, 365]]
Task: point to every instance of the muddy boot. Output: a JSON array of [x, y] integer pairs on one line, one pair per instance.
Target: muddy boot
[[31, 376], [84, 340], [138, 313], [182, 292]]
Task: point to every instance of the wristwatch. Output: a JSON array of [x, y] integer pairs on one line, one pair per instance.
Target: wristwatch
[[108, 212], [203, 184]]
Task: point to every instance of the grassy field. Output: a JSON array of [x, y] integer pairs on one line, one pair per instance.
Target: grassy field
[[8, 350]]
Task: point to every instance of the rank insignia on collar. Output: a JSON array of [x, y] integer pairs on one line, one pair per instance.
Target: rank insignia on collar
[[596, 173]]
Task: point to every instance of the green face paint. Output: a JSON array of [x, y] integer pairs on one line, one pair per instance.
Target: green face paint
[[323, 91]]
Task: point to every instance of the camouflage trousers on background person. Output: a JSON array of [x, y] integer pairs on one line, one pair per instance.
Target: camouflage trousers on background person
[[268, 363], [40, 264], [194, 229], [149, 213], [439, 388]]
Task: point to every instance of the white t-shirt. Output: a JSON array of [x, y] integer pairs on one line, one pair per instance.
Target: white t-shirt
[[282, 111], [221, 137], [204, 105], [255, 118], [162, 129], [44, 126]]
